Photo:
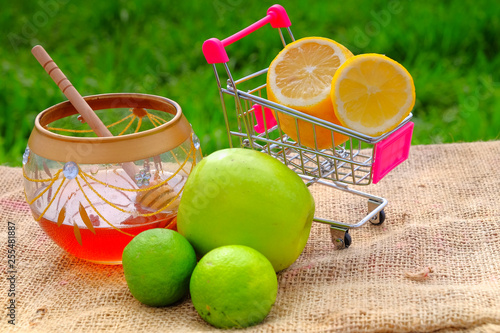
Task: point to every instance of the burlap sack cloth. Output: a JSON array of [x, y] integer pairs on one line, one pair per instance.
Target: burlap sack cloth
[[443, 214]]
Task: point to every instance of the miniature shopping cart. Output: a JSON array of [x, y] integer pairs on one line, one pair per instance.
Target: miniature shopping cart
[[255, 122]]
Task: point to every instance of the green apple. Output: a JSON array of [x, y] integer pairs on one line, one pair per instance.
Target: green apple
[[240, 196]]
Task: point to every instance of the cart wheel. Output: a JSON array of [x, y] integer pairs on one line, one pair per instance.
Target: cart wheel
[[377, 220], [347, 239], [340, 237]]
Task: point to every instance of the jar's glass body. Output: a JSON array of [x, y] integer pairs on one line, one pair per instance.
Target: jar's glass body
[[93, 210]]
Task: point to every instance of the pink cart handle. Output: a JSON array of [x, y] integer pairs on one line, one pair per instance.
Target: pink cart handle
[[214, 49]]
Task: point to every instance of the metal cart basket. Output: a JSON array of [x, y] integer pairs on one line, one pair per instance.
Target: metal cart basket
[[255, 121]]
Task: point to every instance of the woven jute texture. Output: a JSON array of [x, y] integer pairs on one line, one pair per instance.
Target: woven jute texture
[[434, 265]]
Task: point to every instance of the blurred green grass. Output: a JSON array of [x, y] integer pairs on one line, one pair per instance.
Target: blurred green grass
[[451, 48]]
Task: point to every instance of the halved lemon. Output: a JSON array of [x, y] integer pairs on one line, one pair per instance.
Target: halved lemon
[[300, 77], [372, 94]]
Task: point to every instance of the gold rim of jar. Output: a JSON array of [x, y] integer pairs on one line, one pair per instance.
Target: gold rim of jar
[[117, 149]]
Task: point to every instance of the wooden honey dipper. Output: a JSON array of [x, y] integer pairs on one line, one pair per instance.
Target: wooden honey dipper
[[157, 197]]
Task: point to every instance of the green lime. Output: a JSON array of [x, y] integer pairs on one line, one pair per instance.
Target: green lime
[[158, 264], [233, 286]]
